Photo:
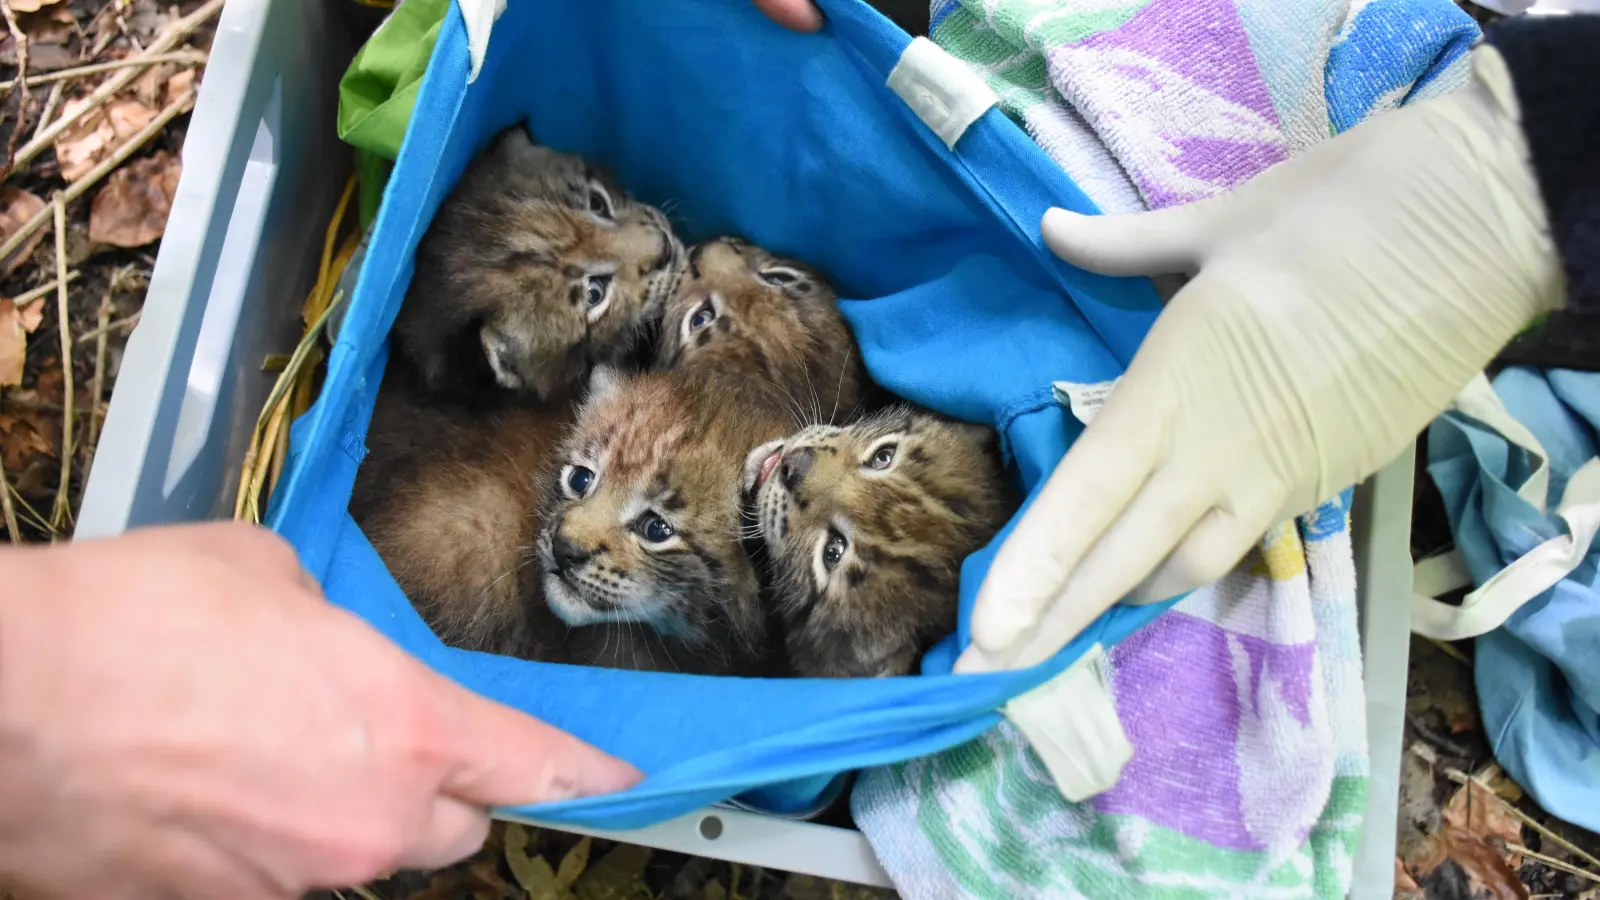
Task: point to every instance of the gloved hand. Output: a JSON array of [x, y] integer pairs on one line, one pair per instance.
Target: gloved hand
[[1339, 301]]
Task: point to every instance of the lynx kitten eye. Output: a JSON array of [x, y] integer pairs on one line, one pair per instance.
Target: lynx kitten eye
[[654, 529], [577, 480], [600, 202], [596, 294], [882, 458], [779, 277], [833, 550], [703, 315]]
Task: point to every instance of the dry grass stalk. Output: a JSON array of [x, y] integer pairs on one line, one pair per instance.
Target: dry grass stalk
[[31, 514], [25, 103], [99, 172], [175, 34], [63, 509], [118, 9], [1449, 650], [100, 331], [97, 386], [1460, 777], [247, 505], [49, 287], [1554, 863], [183, 57], [51, 103], [318, 304], [10, 511]]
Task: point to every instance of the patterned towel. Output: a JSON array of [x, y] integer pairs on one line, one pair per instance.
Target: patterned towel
[[1244, 703]]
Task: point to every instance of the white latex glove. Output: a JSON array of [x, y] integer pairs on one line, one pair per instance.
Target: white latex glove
[[1339, 301]]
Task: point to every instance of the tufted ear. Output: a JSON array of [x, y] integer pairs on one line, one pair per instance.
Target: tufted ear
[[979, 435], [516, 144]]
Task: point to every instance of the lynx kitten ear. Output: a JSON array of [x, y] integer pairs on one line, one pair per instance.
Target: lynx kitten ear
[[499, 353], [605, 382], [517, 144]]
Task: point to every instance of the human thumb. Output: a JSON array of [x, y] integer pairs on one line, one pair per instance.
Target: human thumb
[[506, 758], [1159, 242]]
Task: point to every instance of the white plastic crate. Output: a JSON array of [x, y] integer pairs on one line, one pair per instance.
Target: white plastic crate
[[262, 171]]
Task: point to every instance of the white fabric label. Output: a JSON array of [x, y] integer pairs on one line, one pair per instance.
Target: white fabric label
[[944, 92], [1084, 400], [479, 17], [1071, 721]]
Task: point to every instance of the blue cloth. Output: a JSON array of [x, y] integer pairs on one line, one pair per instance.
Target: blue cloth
[[795, 142], [1538, 676]]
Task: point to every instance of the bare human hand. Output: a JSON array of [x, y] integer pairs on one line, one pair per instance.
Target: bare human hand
[[183, 715], [797, 15]]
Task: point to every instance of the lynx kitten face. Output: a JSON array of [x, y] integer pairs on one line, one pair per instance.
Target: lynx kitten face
[[535, 268], [644, 524], [865, 529], [773, 321]]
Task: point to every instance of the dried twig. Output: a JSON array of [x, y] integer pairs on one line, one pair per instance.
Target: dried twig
[[1460, 777], [49, 287], [63, 509], [5, 506], [25, 102], [97, 386], [187, 57], [32, 514], [101, 331], [50, 104], [1554, 863], [94, 176], [1450, 651], [1437, 739], [117, 9], [171, 37]]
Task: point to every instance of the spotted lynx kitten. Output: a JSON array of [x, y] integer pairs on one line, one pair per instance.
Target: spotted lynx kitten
[[865, 529], [536, 267]]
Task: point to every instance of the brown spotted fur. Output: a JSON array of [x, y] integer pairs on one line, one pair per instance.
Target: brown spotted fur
[[448, 497], [669, 445], [906, 530], [500, 295], [771, 321]]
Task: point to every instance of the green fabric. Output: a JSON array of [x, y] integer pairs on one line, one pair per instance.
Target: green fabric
[[379, 89]]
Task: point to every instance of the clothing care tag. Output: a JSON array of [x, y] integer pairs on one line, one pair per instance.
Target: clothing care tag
[[1084, 400], [1071, 721]]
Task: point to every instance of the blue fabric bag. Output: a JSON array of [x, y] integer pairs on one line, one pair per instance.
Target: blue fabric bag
[[795, 142], [1538, 675]]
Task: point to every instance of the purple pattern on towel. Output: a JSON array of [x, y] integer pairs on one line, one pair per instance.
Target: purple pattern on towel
[[1181, 709]]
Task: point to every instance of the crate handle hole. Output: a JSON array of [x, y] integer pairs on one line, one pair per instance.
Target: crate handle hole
[[711, 828]]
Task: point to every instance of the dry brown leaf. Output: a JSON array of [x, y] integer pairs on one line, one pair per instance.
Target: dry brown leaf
[[533, 873], [98, 134], [54, 25], [573, 864], [1476, 810], [177, 86], [28, 6], [17, 206], [16, 323], [22, 441], [1500, 783], [1405, 887], [132, 209], [1485, 867], [13, 344], [30, 314], [618, 875]]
